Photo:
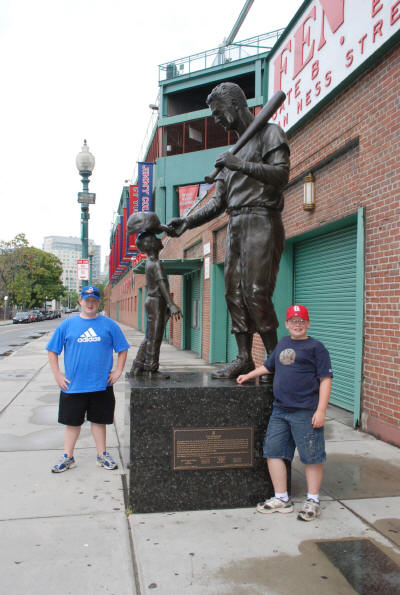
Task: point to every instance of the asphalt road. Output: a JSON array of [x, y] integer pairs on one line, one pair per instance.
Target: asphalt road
[[15, 336]]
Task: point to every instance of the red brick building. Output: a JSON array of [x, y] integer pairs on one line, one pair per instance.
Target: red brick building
[[339, 65]]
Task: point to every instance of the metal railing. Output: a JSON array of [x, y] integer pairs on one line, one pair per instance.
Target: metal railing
[[219, 56], [207, 59]]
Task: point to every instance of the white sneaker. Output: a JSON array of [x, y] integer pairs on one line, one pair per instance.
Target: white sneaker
[[275, 505], [63, 464], [106, 461], [310, 511]]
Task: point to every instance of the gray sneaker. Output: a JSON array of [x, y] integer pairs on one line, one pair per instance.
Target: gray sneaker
[[275, 505], [310, 511], [106, 461], [63, 464]]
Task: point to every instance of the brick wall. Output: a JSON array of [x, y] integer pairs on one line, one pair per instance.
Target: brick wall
[[368, 176], [126, 294]]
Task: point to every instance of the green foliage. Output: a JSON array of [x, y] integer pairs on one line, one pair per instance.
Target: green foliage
[[100, 286], [28, 275], [70, 299]]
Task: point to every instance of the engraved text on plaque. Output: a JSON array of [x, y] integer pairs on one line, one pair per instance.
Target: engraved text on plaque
[[212, 448]]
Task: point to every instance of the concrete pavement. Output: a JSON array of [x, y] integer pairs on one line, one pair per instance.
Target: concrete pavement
[[5, 322], [69, 533]]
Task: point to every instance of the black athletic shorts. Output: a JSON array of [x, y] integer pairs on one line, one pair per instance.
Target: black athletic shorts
[[98, 406]]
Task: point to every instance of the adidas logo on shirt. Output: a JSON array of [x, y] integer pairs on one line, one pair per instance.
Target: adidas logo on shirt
[[88, 336]]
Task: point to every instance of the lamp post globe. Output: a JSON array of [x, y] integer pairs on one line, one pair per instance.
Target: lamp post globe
[[85, 160], [85, 163]]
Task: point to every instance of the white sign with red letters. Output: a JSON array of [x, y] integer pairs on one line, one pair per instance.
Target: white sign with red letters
[[330, 40], [82, 265]]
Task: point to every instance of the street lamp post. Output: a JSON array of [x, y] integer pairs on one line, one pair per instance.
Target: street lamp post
[[85, 163], [5, 306], [91, 254]]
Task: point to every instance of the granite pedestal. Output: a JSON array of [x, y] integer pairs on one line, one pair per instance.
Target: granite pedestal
[[196, 443]]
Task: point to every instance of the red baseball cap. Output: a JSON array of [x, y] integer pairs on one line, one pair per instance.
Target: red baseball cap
[[298, 311]]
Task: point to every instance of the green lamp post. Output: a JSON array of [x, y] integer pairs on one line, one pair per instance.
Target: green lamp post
[[91, 255], [85, 163]]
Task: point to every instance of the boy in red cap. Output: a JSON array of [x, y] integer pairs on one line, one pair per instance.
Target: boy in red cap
[[302, 385]]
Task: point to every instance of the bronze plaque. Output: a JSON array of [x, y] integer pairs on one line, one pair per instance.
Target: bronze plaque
[[212, 448]]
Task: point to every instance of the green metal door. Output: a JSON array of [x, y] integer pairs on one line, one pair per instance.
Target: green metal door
[[325, 282], [117, 313], [223, 346], [140, 310], [193, 312], [231, 345]]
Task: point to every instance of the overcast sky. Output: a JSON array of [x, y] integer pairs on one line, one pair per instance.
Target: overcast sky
[[76, 69]]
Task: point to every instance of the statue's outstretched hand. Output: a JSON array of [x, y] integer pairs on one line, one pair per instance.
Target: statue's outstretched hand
[[177, 226], [175, 311]]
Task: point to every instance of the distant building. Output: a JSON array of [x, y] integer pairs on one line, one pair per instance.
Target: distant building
[[69, 249], [106, 267]]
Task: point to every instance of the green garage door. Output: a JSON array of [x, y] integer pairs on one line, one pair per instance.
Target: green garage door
[[193, 311], [325, 282]]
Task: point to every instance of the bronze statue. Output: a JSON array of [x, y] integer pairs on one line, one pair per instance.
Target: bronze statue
[[249, 188], [158, 305]]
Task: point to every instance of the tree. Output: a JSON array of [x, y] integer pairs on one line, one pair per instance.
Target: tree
[[100, 286], [10, 262], [70, 299], [28, 275]]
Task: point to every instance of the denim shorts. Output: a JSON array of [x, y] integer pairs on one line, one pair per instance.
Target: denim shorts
[[288, 430]]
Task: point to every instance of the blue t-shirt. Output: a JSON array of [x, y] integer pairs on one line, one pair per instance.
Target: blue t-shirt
[[298, 367], [88, 345]]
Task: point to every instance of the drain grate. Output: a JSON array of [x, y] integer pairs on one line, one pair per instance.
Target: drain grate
[[368, 570]]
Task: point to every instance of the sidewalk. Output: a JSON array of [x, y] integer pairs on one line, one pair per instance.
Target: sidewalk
[[5, 322], [69, 534]]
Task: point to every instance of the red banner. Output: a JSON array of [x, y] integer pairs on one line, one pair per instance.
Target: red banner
[[187, 197], [138, 258], [125, 256]]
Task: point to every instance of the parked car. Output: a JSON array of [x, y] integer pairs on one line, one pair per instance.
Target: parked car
[[47, 314], [38, 315], [22, 318], [57, 313]]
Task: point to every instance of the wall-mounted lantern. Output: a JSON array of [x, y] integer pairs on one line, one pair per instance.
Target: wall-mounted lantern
[[309, 192]]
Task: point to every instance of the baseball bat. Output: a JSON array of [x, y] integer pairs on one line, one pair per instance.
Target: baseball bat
[[259, 122]]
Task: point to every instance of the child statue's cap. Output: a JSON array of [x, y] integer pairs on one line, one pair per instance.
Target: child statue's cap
[[145, 221], [297, 311]]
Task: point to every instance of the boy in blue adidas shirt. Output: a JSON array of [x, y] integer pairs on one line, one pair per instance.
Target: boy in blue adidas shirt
[[86, 386], [302, 385]]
